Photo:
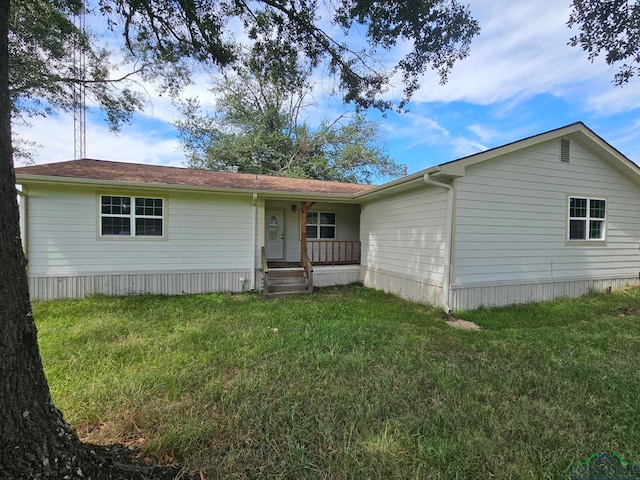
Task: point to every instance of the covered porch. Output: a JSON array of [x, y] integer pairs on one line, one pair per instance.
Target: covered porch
[[309, 244]]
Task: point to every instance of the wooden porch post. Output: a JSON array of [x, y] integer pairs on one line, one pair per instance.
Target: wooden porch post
[[303, 231], [304, 208]]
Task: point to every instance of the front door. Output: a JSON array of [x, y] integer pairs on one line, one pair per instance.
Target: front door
[[274, 235]]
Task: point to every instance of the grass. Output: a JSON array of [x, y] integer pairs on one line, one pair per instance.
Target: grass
[[349, 383]]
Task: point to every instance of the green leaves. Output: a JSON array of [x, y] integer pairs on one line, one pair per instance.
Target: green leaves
[[612, 29], [257, 128], [44, 43], [438, 33], [434, 34], [163, 38]]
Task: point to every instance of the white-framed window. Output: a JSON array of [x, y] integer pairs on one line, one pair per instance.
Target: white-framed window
[[321, 225], [125, 216], [587, 219]]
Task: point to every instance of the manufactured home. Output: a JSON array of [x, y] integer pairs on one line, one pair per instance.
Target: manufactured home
[[551, 215]]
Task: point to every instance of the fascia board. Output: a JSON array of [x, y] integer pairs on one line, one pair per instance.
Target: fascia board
[[395, 186]]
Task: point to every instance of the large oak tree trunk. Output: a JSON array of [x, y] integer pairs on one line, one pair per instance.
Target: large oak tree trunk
[[34, 439]]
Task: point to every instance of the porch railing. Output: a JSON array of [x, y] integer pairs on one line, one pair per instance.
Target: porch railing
[[334, 252]]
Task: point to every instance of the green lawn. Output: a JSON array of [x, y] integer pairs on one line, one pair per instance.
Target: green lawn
[[349, 383]]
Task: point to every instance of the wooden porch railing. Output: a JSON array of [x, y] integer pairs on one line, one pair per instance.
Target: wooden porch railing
[[334, 252]]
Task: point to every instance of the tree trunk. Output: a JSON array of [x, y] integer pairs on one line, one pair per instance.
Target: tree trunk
[[34, 439]]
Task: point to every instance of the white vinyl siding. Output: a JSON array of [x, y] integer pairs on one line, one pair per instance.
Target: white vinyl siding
[[511, 219], [204, 232], [403, 240]]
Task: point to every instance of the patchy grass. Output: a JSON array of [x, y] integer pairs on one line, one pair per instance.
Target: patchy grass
[[349, 383]]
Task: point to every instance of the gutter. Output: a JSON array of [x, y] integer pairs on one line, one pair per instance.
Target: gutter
[[446, 280], [254, 239]]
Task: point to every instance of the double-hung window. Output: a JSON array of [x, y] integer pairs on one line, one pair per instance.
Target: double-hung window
[[587, 219], [321, 225], [123, 216]]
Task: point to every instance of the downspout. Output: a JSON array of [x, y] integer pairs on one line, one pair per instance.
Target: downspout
[[23, 222], [254, 240], [446, 280]]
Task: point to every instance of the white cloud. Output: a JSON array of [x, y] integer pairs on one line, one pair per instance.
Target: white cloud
[[464, 147], [521, 52], [55, 134], [421, 131], [418, 129], [615, 99], [483, 133]]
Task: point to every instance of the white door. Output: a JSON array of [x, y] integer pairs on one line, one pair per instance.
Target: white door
[[274, 234]]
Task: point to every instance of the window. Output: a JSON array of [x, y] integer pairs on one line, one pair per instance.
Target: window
[[321, 225], [587, 218], [131, 216]]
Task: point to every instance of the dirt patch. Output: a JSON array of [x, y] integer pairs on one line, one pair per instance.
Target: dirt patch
[[121, 455], [626, 311], [460, 324]]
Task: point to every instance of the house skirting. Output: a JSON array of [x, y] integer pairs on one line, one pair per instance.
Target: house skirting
[[172, 283], [406, 286], [467, 297], [175, 283], [335, 275]]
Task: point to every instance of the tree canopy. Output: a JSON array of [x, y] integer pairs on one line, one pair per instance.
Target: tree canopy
[[43, 44], [610, 28], [162, 39], [433, 34], [260, 125]]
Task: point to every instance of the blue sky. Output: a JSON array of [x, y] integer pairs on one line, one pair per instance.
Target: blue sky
[[520, 79]]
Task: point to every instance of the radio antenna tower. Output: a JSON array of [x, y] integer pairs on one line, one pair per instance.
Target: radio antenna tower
[[79, 89]]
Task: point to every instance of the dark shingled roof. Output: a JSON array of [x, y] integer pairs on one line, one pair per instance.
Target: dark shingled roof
[[102, 170]]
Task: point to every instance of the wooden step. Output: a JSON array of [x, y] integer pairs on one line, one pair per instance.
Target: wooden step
[[288, 288], [286, 281], [285, 273], [281, 264]]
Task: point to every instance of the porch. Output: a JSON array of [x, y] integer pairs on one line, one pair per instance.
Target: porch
[[309, 244], [334, 263]]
